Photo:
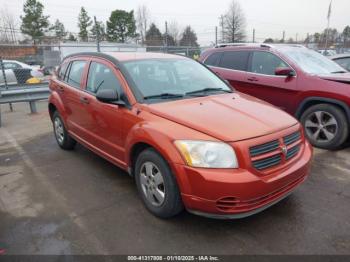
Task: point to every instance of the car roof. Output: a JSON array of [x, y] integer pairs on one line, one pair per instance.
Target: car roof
[[251, 46], [128, 56]]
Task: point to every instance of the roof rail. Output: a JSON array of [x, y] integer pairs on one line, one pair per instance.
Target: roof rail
[[242, 44]]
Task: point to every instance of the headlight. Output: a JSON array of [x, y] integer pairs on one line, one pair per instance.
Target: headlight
[[207, 154]]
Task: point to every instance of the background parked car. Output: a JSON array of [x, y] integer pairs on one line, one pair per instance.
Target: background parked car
[[343, 60], [300, 81], [327, 52], [18, 73]]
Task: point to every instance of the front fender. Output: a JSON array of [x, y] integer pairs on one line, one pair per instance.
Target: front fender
[[153, 134]]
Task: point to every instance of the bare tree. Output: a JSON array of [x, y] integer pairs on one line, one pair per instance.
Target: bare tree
[[142, 21], [234, 23], [7, 27], [174, 31]]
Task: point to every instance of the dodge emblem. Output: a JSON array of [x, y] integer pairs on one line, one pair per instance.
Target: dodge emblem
[[284, 150]]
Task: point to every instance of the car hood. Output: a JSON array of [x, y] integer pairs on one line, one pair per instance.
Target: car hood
[[227, 117], [342, 78]]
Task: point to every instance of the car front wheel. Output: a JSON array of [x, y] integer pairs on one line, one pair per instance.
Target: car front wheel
[[156, 185], [325, 126], [62, 137]]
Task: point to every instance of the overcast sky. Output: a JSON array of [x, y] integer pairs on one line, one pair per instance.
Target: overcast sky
[[268, 17]]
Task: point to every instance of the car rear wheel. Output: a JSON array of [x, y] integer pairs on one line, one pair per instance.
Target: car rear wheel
[[156, 185], [325, 126], [62, 137]]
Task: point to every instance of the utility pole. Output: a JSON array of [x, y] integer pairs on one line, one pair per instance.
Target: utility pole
[[328, 23], [97, 28], [216, 35], [296, 38], [284, 36], [254, 35], [166, 36], [222, 28]]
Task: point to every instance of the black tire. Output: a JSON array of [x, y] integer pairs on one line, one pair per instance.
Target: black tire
[[172, 203], [65, 141], [340, 130]]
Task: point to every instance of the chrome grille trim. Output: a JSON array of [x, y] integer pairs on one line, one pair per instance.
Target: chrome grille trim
[[267, 162], [292, 152], [290, 139], [264, 148]]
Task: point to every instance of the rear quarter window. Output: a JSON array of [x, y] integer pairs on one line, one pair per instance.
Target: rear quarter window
[[76, 73], [62, 71], [236, 60]]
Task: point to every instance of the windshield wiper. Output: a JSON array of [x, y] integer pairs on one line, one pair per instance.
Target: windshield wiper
[[208, 90], [164, 96], [339, 72]]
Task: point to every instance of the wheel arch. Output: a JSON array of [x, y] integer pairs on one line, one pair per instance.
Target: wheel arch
[[55, 104], [135, 151], [310, 101], [52, 109]]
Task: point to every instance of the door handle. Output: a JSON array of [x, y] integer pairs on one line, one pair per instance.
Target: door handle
[[84, 100], [253, 79]]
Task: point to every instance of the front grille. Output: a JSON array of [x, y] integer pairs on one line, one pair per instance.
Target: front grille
[[288, 140], [292, 152], [270, 154], [264, 148], [267, 162]]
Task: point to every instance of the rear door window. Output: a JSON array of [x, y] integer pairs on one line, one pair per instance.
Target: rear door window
[[213, 59], [236, 60], [266, 63], [76, 73]]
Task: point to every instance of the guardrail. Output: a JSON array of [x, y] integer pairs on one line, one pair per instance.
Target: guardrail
[[29, 94]]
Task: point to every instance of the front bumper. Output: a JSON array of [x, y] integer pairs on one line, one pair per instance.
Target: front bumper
[[228, 194]]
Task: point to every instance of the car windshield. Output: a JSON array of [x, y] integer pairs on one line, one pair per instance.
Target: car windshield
[[173, 79], [312, 62]]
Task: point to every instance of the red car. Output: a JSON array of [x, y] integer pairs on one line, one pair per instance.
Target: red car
[[298, 80], [180, 131]]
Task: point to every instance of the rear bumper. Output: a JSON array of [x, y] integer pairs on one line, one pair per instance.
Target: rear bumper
[[229, 194]]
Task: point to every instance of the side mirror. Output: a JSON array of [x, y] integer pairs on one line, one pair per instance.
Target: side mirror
[[284, 71], [107, 95]]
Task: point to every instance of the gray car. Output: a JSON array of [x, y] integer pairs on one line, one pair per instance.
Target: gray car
[[18, 73]]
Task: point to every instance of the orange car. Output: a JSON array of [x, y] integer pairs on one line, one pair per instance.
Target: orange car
[[183, 133]]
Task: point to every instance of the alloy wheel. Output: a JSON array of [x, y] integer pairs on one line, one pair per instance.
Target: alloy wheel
[[321, 126], [152, 184], [59, 131]]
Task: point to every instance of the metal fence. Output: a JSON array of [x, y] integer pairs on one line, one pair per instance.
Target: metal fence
[[33, 64], [25, 70]]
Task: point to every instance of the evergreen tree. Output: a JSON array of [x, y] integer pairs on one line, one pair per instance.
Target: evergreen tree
[[60, 31], [34, 22], [101, 29], [189, 37], [72, 38], [121, 26], [84, 22], [153, 36]]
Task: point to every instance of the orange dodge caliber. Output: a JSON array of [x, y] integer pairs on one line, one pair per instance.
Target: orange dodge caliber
[[187, 137]]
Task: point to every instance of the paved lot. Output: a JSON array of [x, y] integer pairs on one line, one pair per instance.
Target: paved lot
[[57, 202]]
